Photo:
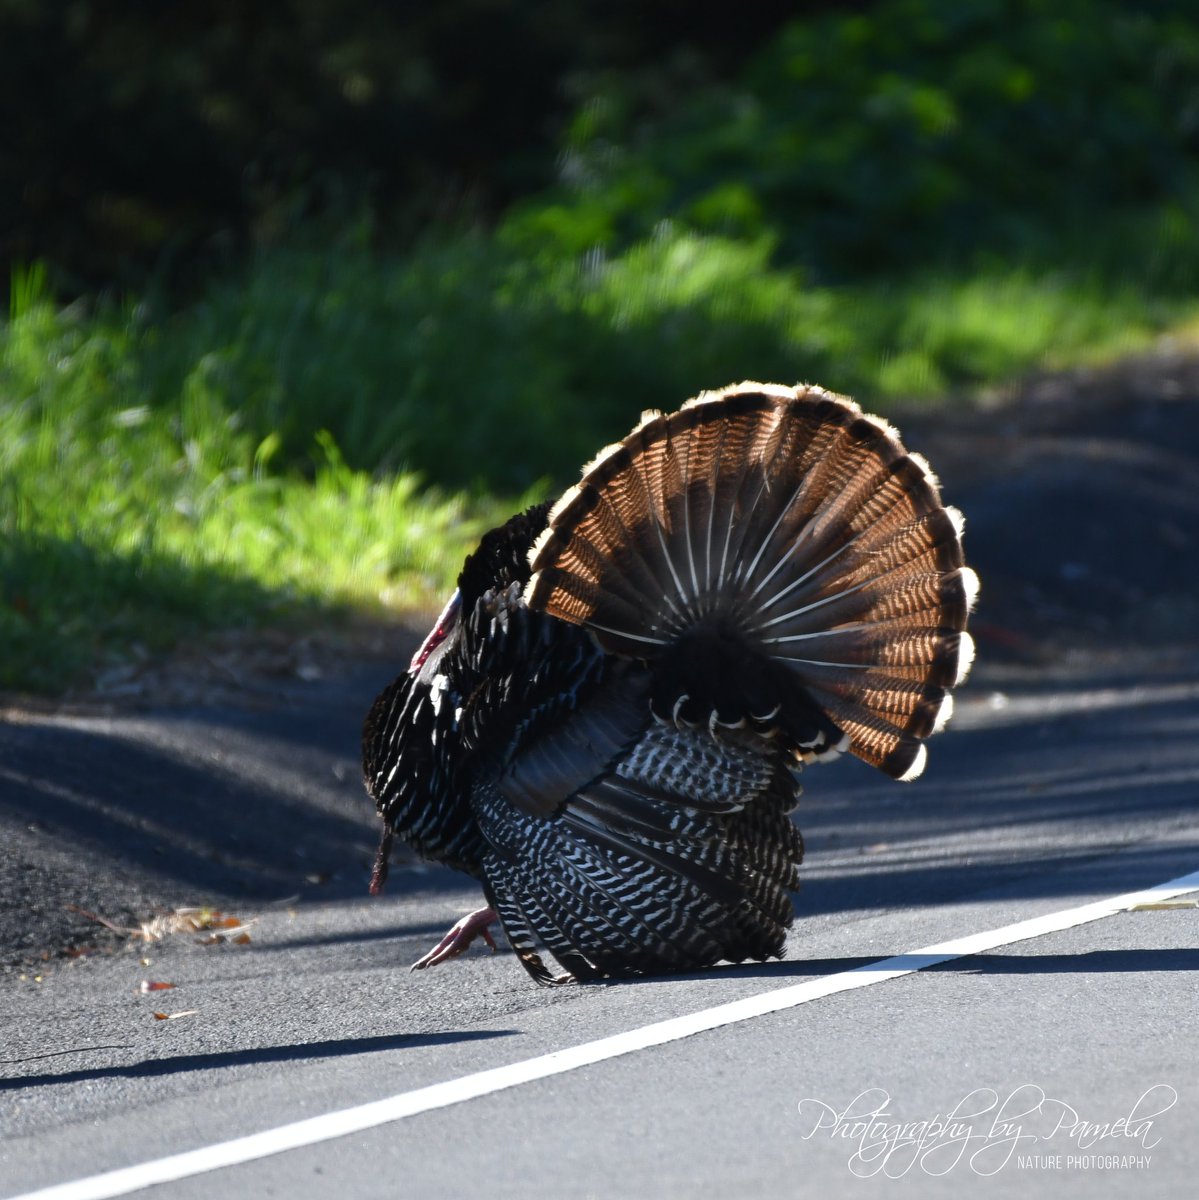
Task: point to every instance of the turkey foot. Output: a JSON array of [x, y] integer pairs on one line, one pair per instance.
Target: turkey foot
[[459, 938]]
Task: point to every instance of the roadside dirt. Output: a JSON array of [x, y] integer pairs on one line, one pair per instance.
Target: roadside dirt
[[1081, 493]]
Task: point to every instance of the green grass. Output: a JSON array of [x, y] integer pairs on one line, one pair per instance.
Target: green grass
[[126, 524], [251, 458]]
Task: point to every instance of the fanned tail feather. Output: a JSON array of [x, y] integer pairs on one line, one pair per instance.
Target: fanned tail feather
[[786, 520]]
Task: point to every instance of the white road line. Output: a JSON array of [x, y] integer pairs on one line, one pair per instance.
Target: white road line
[[483, 1083]]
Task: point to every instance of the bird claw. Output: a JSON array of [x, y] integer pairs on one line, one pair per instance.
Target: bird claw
[[459, 938]]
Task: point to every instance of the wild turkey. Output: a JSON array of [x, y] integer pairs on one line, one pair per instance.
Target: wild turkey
[[605, 724]]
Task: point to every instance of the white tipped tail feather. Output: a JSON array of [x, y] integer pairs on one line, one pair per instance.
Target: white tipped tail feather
[[788, 523]]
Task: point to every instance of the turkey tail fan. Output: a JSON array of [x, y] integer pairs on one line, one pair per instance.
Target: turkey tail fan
[[792, 522]]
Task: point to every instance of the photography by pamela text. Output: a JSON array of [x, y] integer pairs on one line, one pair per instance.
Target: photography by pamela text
[[986, 1131]]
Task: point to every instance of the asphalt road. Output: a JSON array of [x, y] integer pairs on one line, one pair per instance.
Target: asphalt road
[[1069, 775], [1039, 799]]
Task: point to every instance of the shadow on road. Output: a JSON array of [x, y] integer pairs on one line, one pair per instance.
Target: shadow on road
[[1092, 962], [339, 1048]]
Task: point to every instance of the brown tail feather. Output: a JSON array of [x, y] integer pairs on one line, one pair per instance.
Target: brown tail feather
[[789, 516]]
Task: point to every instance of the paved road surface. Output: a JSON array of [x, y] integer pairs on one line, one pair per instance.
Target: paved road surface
[[1038, 799]]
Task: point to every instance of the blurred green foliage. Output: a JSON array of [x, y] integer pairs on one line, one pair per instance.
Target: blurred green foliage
[[130, 518], [151, 138], [861, 138], [919, 134]]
